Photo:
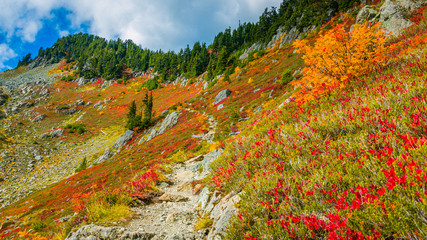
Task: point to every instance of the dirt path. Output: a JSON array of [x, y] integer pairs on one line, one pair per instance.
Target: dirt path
[[173, 214]]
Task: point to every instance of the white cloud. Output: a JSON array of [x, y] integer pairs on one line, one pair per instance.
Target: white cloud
[[166, 24], [6, 53], [23, 17]]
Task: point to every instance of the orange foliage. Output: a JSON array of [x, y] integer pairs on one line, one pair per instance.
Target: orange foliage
[[339, 56], [27, 235]]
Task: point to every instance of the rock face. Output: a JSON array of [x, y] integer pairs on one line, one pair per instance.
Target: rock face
[[367, 13], [222, 95], [170, 121], [94, 232], [53, 133], [221, 216], [70, 111], [38, 118], [107, 154], [393, 14], [254, 47], [123, 139], [81, 81], [203, 166]]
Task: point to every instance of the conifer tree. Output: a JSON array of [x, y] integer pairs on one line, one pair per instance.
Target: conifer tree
[[134, 119], [148, 102]]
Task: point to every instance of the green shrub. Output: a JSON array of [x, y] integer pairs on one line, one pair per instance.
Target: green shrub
[[68, 78], [204, 222], [286, 77], [82, 166], [211, 84], [152, 84], [79, 128], [37, 226]]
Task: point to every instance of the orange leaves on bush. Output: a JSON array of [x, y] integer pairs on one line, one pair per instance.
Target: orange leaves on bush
[[27, 235], [338, 56]]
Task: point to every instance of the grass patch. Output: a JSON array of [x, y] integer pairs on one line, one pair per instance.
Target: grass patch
[[37, 226], [82, 166], [108, 207], [79, 128], [204, 222]]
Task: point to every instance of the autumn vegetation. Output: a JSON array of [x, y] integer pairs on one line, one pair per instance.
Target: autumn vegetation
[[333, 151]]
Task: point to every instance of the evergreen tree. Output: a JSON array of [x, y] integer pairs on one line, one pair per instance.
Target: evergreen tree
[[134, 119], [148, 102]]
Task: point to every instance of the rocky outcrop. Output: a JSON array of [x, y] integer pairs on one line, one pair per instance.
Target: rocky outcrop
[[70, 111], [39, 118], [393, 14], [53, 133], [202, 165], [219, 209], [253, 48], [221, 215], [123, 139], [94, 232], [170, 121], [81, 81], [107, 154], [221, 96], [367, 13]]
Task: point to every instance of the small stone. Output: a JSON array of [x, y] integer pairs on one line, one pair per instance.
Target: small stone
[[38, 118], [184, 187], [222, 96], [197, 189], [167, 197]]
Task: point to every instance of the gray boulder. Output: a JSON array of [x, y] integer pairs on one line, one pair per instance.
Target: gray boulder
[[170, 121], [393, 14], [222, 95], [107, 84], [107, 154], [253, 48], [39, 118], [53, 133], [82, 81], [221, 215], [70, 111], [80, 102], [94, 232], [123, 139], [367, 13], [207, 160]]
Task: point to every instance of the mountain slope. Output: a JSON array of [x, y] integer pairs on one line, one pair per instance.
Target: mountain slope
[[347, 164]]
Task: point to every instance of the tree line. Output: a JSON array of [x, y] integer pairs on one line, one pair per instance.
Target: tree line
[[97, 57]]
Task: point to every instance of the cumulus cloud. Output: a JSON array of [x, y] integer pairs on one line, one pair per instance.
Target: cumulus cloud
[[23, 17], [6, 53], [153, 24]]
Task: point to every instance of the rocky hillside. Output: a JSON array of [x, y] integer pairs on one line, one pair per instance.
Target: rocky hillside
[[261, 151]]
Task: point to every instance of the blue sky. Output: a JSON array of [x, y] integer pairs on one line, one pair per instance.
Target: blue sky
[[27, 25]]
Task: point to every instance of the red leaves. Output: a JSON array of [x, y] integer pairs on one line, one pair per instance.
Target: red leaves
[[144, 183]]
